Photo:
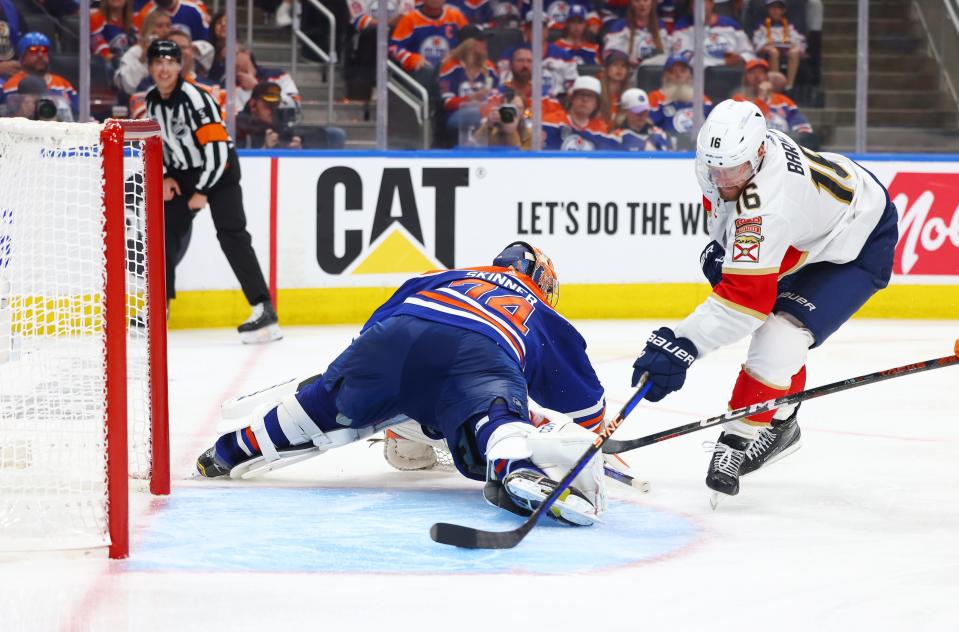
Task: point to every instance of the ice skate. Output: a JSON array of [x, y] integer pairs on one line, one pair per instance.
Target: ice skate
[[528, 489], [724, 468], [207, 466], [261, 326], [779, 440]]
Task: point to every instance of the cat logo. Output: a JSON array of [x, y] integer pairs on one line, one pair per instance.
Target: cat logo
[[393, 238]]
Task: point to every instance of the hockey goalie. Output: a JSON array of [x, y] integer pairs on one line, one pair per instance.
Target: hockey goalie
[[460, 351]]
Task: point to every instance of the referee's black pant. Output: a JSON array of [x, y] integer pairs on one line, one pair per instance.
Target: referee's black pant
[[226, 208]]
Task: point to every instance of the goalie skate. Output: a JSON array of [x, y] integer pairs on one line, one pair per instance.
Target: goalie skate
[[528, 489]]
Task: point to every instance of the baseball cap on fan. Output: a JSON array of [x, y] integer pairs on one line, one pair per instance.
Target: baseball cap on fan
[[587, 84], [472, 31], [634, 100], [576, 12]]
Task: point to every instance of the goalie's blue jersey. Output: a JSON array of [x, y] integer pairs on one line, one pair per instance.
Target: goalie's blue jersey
[[509, 309]]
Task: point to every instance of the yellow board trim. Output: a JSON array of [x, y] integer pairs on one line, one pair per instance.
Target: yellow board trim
[[326, 306]]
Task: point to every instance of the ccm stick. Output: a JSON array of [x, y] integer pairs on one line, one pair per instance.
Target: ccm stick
[[613, 446], [470, 538]]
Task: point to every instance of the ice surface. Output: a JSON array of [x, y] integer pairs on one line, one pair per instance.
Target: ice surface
[[859, 530]]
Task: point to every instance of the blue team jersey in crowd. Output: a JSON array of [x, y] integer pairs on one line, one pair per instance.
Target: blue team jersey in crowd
[[479, 12], [509, 309], [650, 138]]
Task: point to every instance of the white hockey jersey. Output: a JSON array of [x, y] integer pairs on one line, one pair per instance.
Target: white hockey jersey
[[802, 207], [723, 36]]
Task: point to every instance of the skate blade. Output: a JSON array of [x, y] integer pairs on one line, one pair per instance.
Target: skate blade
[[715, 498], [260, 336]]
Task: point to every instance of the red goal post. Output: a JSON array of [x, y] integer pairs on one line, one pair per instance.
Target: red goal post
[[115, 137], [83, 366]]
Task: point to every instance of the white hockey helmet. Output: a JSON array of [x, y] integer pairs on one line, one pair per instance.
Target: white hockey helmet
[[727, 149]]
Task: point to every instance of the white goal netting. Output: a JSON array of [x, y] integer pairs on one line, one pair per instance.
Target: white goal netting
[[53, 491]]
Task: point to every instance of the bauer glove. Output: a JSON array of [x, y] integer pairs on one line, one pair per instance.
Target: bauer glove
[[667, 359]]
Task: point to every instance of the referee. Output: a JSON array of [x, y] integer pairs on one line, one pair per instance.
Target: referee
[[201, 167]]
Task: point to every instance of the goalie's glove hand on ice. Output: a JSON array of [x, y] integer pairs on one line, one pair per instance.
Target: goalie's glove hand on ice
[[711, 261], [526, 463], [667, 359]]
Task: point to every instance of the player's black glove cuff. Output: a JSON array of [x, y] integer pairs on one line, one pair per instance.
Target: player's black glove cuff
[[711, 261]]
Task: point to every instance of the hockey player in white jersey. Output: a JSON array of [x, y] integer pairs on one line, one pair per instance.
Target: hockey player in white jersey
[[801, 240]]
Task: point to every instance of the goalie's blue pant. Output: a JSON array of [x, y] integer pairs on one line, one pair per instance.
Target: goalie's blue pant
[[442, 376]]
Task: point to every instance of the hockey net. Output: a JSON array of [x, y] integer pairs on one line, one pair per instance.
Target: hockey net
[[82, 331]]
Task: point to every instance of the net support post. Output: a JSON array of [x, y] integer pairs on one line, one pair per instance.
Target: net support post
[[114, 316], [156, 308]]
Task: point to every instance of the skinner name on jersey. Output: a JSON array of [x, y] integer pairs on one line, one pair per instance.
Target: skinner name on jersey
[[506, 281]]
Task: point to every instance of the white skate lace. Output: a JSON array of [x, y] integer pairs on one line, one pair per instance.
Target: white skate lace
[[725, 459], [763, 442]]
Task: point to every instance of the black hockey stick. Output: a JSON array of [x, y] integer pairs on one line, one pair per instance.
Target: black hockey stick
[[470, 538], [615, 447]]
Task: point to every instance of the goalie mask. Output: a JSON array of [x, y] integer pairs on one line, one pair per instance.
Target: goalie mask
[[531, 261]]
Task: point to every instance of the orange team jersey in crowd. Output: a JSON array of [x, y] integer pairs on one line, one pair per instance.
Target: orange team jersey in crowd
[[582, 53], [418, 36], [107, 37], [56, 86], [560, 132], [190, 13]]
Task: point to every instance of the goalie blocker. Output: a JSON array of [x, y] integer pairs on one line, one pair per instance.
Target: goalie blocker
[[460, 351]]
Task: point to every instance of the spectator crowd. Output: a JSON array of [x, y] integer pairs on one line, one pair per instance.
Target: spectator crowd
[[616, 74]]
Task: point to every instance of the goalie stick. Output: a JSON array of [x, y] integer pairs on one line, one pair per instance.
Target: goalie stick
[[470, 538], [615, 447]]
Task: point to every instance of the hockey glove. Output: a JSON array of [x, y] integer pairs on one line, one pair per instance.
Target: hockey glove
[[667, 359], [711, 261]]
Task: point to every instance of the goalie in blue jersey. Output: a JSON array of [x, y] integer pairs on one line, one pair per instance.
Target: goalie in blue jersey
[[460, 351]]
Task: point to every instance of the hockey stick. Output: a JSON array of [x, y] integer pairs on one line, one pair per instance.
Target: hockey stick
[[615, 447], [470, 538]]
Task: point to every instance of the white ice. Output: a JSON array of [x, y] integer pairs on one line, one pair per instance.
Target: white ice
[[859, 530]]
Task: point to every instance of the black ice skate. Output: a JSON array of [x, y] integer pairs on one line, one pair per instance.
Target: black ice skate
[[207, 467], [723, 474], [261, 326], [779, 440]]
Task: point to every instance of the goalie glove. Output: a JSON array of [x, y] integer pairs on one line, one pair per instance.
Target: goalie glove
[[545, 455]]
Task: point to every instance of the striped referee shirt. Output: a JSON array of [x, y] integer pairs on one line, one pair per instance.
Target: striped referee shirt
[[194, 136]]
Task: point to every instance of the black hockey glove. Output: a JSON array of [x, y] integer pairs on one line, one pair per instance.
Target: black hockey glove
[[711, 261], [667, 358]]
